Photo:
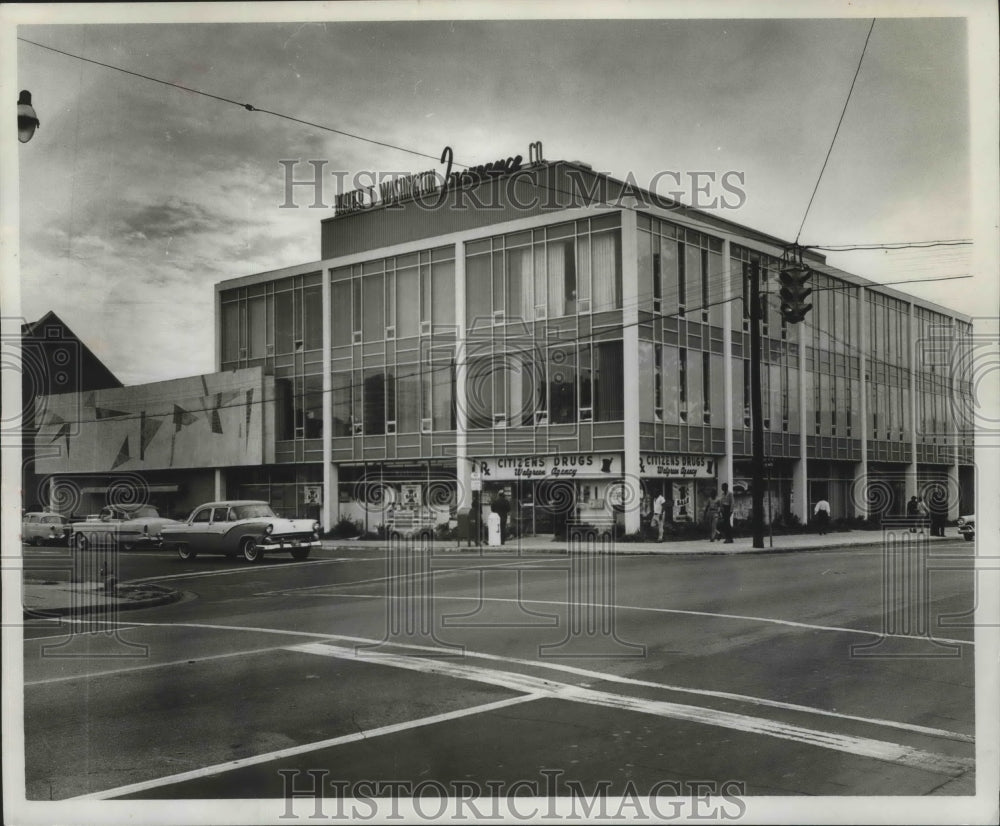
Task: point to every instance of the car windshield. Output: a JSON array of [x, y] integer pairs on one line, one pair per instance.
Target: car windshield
[[252, 511]]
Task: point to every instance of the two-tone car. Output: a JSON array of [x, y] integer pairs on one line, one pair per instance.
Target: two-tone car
[[44, 528], [242, 527], [967, 527], [120, 526]]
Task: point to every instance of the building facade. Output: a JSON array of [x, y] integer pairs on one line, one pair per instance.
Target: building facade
[[584, 345]]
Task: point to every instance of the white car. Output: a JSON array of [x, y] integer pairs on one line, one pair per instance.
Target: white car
[[241, 527], [120, 526], [42, 528]]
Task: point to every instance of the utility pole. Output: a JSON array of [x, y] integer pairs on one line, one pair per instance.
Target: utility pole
[[756, 407]]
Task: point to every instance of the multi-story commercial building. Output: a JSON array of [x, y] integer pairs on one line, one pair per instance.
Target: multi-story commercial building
[[584, 345]]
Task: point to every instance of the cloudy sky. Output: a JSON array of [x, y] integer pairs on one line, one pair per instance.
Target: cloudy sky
[[136, 198]]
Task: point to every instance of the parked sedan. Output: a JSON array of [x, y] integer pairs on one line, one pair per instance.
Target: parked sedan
[[241, 527], [41, 528], [120, 526], [967, 527]]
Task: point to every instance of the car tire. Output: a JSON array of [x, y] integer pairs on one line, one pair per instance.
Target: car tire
[[301, 553], [251, 552], [185, 553], [969, 537], [37, 541], [80, 543]]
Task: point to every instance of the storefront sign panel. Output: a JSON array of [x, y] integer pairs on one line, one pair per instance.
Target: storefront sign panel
[[676, 466], [566, 466]]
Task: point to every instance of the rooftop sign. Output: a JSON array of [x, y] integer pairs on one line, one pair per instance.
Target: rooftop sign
[[394, 189]]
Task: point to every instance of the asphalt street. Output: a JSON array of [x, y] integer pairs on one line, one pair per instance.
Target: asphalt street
[[786, 674]]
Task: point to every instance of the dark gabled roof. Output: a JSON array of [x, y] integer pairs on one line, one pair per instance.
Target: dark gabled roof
[[99, 377]]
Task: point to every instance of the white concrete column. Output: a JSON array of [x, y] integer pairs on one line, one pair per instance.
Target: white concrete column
[[330, 511], [800, 470], [220, 484], [954, 480], [462, 465], [913, 402], [725, 469], [630, 348], [861, 329]]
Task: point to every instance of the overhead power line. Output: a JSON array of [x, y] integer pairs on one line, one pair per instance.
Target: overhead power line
[[248, 106], [251, 108], [893, 245], [836, 131]]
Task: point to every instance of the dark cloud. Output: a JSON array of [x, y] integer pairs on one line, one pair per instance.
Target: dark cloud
[[176, 218]]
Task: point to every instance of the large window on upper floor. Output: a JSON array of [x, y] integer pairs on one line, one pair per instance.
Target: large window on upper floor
[[271, 319], [680, 271], [391, 298], [552, 272]]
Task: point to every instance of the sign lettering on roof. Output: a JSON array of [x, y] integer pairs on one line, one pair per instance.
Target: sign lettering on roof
[[395, 189]]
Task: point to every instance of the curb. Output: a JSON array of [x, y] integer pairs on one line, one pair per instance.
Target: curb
[[165, 596], [623, 549]]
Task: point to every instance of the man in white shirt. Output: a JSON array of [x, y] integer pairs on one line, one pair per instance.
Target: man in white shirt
[[822, 515], [658, 514]]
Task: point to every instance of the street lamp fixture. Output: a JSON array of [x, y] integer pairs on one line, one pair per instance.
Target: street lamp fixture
[[27, 120]]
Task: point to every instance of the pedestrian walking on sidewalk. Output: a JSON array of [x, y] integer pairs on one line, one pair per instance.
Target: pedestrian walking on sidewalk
[[726, 514], [821, 513], [912, 513], [501, 507], [712, 518], [658, 514], [923, 513]]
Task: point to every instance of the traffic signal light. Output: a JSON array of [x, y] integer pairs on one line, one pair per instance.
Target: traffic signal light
[[794, 293]]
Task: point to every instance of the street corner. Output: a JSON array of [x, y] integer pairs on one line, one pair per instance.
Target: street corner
[[42, 598]]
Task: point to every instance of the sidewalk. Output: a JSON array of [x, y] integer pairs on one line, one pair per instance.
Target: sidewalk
[[48, 599], [782, 544]]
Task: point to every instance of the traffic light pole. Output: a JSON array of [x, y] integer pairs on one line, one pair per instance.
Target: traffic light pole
[[756, 408]]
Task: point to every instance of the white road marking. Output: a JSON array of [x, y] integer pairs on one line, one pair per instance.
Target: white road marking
[[859, 746], [68, 632], [792, 623], [243, 569], [436, 572], [292, 751], [553, 666], [149, 666]]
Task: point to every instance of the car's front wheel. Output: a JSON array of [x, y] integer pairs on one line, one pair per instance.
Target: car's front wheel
[[251, 550], [185, 553], [300, 553]]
